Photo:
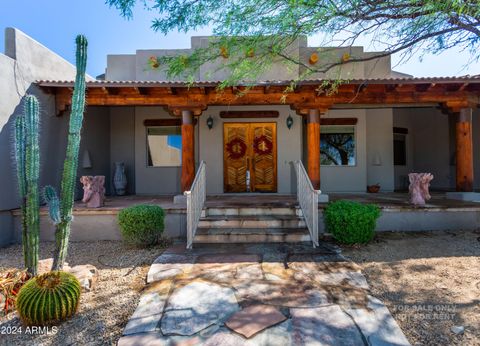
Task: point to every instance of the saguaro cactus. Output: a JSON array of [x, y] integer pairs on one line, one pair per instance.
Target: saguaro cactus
[[61, 210], [27, 157]]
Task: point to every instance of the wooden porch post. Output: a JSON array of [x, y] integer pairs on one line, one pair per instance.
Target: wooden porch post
[[188, 150], [313, 147], [464, 150]]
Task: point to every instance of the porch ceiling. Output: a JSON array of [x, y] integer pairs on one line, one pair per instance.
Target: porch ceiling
[[452, 93]]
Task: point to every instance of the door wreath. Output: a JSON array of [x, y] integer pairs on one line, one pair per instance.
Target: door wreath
[[262, 145], [236, 149]]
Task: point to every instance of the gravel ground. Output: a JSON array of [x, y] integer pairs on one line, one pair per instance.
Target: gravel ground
[[430, 281], [103, 312]]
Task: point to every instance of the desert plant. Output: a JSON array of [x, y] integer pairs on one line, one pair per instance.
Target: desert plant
[[61, 210], [10, 284], [142, 225], [27, 157], [48, 298], [351, 222]]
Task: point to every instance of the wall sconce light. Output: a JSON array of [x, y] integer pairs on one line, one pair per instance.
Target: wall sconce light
[[289, 122], [210, 122]]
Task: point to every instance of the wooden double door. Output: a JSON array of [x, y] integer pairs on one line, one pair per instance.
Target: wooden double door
[[250, 157]]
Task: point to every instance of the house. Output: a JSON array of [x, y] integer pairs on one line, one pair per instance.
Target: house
[[377, 128]]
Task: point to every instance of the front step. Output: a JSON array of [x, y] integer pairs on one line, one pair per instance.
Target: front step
[[257, 211], [251, 235], [252, 221], [252, 225]]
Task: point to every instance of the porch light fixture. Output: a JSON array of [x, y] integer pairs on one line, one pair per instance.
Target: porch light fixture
[[289, 122], [210, 122]]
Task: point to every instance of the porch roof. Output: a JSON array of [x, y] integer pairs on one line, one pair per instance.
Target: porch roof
[[452, 93]]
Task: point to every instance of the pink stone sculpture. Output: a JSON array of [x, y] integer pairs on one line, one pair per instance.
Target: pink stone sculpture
[[93, 190], [418, 189]]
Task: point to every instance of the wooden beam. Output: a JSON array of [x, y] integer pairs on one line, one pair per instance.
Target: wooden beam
[[248, 114], [188, 151], [463, 86], [302, 101], [464, 151], [177, 110], [455, 106], [113, 91], [338, 121], [313, 147]]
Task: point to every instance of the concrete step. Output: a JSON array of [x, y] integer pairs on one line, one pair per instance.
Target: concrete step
[[251, 235], [252, 221], [247, 211]]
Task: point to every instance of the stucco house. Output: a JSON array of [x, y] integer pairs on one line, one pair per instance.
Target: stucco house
[[377, 128]]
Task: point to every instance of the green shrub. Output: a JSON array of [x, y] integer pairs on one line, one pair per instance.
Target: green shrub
[[48, 298], [351, 222], [142, 225]]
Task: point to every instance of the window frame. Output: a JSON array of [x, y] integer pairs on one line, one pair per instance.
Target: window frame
[[354, 126], [147, 148]]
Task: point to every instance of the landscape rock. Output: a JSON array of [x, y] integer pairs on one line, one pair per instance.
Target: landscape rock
[[378, 325], [254, 319], [150, 308], [457, 329], [168, 266], [196, 306], [87, 274], [327, 325]]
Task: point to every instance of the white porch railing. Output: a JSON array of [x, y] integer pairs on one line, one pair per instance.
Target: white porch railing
[[308, 199], [195, 202]]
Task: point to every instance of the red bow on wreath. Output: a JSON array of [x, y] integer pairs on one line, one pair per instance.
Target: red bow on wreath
[[262, 145]]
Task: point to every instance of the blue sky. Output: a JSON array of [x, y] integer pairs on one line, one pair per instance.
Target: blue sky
[[55, 23]]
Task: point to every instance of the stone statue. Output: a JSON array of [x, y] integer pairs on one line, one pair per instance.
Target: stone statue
[[93, 190], [418, 189]]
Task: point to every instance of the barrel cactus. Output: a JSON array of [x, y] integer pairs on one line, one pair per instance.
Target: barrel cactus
[[61, 209], [48, 298]]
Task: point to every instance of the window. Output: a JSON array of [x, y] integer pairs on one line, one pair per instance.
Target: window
[[399, 149], [337, 145], [164, 146]]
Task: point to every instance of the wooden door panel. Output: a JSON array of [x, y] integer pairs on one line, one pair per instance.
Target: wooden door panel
[[235, 139], [250, 147], [264, 150]]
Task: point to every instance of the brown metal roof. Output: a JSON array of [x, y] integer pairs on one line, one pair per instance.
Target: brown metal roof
[[402, 80]]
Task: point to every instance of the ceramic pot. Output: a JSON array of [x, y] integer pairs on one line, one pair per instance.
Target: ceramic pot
[[119, 179]]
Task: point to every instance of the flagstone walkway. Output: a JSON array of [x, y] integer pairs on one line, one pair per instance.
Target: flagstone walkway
[[258, 294]]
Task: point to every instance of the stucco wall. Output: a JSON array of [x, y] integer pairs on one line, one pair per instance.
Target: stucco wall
[[373, 137], [120, 67], [380, 148], [136, 66], [348, 178], [430, 146], [153, 180], [95, 140], [289, 145], [122, 143], [25, 61]]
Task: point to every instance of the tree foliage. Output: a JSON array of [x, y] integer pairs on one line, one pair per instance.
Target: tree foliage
[[269, 27]]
